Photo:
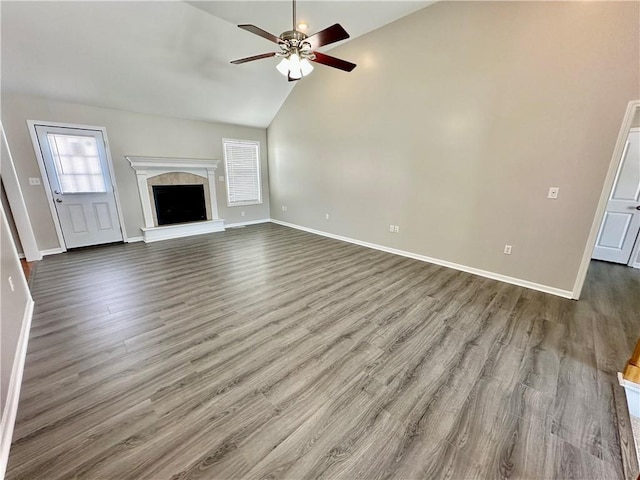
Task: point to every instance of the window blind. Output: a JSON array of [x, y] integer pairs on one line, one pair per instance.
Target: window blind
[[242, 164]]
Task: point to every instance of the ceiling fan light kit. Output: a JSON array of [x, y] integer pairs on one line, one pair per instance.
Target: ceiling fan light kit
[[297, 49]]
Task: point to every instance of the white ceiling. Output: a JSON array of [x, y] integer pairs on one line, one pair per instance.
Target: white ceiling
[[168, 58]]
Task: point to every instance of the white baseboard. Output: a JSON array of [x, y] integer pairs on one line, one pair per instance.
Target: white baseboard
[[52, 251], [463, 268], [13, 394], [244, 224], [134, 239]]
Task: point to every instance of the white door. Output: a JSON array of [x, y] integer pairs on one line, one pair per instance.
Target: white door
[[621, 222], [77, 170]]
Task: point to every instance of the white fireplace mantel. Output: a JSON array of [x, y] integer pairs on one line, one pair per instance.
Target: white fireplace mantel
[[149, 167]]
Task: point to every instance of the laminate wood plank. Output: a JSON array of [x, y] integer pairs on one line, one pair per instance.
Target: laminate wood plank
[[544, 352], [266, 351], [606, 413], [577, 464], [576, 414], [625, 437], [313, 392], [64, 454], [527, 450]]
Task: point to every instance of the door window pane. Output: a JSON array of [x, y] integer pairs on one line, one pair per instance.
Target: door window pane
[[77, 163]]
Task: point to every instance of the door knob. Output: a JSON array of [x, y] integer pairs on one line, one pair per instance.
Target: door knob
[[638, 207], [59, 200], [57, 192]]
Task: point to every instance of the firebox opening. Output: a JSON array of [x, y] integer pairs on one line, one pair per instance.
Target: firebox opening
[[179, 203]]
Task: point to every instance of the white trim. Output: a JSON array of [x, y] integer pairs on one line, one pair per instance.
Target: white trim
[[149, 167], [13, 393], [167, 232], [634, 259], [18, 206], [463, 268], [52, 251], [114, 184], [616, 158], [45, 182], [135, 239], [250, 222], [632, 392], [170, 164]]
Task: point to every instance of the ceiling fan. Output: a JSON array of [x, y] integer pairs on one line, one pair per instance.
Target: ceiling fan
[[297, 49]]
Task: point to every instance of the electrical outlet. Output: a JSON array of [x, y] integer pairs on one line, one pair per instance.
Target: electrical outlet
[[34, 181], [392, 228], [396, 229], [242, 214], [284, 208], [326, 216], [553, 192], [507, 249]]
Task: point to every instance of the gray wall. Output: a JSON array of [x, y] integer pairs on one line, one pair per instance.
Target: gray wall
[[454, 125], [12, 224], [129, 134], [12, 305]]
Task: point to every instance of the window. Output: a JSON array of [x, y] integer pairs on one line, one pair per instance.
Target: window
[[242, 163], [77, 163]]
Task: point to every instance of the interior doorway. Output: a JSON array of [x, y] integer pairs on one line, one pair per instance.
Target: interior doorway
[[621, 223], [631, 121]]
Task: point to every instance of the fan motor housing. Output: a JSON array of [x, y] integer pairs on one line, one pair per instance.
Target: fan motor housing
[[292, 35]]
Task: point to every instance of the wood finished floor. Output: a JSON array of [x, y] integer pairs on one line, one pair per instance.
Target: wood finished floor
[[269, 352]]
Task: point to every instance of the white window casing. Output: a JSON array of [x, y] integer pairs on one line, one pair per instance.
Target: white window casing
[[242, 165]]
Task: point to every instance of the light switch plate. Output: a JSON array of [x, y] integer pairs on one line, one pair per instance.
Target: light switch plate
[[553, 192]]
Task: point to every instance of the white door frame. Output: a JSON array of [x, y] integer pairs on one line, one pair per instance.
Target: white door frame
[[17, 206], [616, 158], [635, 251], [45, 183]]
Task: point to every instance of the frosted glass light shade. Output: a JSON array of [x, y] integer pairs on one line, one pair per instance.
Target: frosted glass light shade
[[295, 71], [294, 67], [294, 62], [283, 66], [306, 67]]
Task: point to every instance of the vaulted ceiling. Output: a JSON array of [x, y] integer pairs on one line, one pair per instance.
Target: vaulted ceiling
[[168, 58]]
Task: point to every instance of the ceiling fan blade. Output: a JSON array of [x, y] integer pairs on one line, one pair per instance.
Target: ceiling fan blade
[[261, 33], [331, 34], [255, 57], [334, 62]]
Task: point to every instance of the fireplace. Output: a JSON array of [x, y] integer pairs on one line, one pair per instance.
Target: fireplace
[[179, 203], [177, 196]]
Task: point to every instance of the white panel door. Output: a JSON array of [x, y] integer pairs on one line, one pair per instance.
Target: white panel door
[[621, 222], [77, 170]]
